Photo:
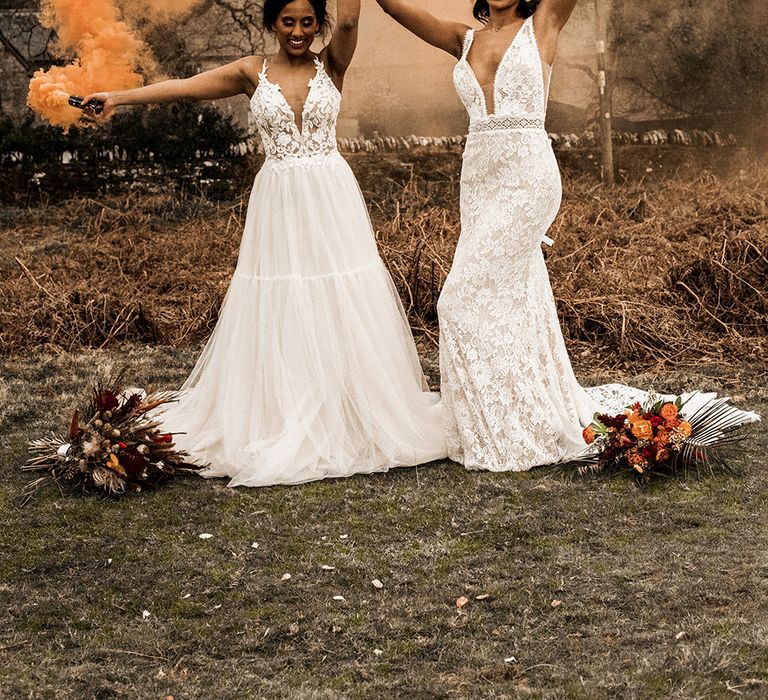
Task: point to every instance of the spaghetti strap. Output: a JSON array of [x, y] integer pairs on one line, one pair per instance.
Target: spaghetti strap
[[469, 37]]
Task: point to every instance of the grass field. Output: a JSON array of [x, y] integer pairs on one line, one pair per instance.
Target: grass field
[[663, 592], [595, 588]]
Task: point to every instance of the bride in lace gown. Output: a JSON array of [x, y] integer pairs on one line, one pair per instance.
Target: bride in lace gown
[[311, 371], [511, 398]]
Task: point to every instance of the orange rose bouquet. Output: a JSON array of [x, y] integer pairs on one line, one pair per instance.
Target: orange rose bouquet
[[657, 439]]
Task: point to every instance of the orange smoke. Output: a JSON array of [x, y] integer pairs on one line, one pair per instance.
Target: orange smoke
[[108, 52]]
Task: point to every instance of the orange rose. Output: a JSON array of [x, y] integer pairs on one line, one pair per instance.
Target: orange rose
[[662, 437], [634, 457], [673, 423], [685, 428], [668, 411], [662, 455], [589, 435], [642, 429]]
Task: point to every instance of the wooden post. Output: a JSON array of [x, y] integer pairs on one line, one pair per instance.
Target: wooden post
[[606, 140]]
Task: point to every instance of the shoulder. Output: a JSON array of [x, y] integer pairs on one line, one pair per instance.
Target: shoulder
[[464, 33], [251, 64], [250, 68]]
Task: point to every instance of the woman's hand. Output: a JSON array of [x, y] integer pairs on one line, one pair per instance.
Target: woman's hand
[[108, 105]]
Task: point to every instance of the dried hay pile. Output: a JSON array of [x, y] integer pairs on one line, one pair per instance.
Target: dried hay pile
[[672, 271]]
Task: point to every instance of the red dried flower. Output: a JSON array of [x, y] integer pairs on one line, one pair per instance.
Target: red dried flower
[[133, 462], [616, 422], [106, 401]]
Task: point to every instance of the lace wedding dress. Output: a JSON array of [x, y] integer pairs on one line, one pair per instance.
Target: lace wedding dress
[[510, 395], [311, 371]]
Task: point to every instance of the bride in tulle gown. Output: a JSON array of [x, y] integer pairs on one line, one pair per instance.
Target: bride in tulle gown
[[511, 398], [311, 371]]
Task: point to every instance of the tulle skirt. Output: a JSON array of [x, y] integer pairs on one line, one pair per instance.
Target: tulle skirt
[[311, 371]]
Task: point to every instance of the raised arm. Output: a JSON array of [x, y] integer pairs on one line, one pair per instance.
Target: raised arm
[[549, 19], [224, 81], [445, 35], [342, 46], [556, 12]]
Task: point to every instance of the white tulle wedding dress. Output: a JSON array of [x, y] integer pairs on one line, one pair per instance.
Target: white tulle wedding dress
[[311, 371], [511, 398]]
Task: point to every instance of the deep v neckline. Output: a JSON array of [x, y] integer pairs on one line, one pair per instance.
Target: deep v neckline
[[496, 72], [310, 84]]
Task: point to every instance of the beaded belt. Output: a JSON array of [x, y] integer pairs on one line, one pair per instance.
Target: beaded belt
[[499, 123]]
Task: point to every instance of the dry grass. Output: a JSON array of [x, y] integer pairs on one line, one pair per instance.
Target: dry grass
[[671, 270], [663, 592]]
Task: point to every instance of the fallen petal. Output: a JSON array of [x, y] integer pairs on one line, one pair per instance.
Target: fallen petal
[[377, 584], [461, 602], [205, 536]]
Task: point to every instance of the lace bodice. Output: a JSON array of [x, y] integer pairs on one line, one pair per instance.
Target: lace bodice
[[276, 121], [520, 86]]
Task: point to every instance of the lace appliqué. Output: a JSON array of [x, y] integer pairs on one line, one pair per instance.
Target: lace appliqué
[[518, 86], [494, 123], [511, 396], [276, 121]]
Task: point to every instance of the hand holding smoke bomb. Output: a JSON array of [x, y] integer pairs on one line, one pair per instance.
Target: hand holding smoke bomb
[[94, 105], [99, 105], [105, 43]]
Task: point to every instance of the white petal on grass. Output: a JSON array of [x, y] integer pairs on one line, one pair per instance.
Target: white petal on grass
[[145, 614], [205, 535], [188, 595], [339, 597], [325, 567], [377, 584], [378, 652], [343, 537], [285, 577], [510, 660], [254, 545]]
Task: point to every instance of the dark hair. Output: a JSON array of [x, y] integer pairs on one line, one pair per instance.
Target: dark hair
[[273, 8], [525, 8]]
